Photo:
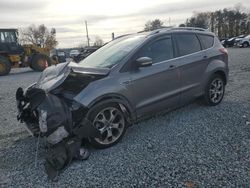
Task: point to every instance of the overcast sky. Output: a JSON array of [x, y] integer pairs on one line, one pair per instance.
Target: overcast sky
[[103, 16]]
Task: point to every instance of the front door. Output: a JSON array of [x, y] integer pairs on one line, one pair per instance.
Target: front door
[[156, 87]]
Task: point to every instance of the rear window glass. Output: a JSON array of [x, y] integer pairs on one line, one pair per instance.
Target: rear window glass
[[207, 41], [187, 43]]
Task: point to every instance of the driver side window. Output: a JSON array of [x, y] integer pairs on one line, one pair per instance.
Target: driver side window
[[160, 50]]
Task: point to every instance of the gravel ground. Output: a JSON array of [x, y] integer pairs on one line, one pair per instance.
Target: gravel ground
[[194, 146]]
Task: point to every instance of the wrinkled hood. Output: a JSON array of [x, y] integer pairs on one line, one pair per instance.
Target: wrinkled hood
[[88, 70], [55, 75]]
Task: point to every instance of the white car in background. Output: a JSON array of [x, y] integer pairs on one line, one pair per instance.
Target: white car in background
[[243, 42], [73, 53]]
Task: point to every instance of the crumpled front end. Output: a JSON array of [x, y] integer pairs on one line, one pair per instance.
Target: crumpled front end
[[51, 112], [46, 115]]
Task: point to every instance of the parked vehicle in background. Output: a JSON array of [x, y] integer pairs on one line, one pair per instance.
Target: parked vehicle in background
[[231, 41], [243, 42], [58, 55], [129, 78], [228, 42], [73, 53], [84, 53]]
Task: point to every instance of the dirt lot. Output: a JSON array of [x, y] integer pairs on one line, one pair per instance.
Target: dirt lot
[[192, 146]]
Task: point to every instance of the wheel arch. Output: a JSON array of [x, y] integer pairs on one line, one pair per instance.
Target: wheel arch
[[122, 101], [217, 67], [246, 42], [222, 74]]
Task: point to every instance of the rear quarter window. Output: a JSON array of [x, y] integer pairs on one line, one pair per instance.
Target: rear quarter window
[[187, 43], [207, 41]]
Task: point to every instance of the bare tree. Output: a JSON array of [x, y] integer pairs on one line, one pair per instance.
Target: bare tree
[[152, 25], [182, 25], [199, 20], [98, 41], [38, 35]]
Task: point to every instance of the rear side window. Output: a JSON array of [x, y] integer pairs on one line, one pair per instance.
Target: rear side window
[[187, 43], [160, 50], [207, 41]]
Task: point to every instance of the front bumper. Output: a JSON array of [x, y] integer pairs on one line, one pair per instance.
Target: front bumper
[[48, 116], [43, 113]]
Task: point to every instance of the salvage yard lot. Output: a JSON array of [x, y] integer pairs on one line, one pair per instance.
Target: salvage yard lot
[[191, 146]]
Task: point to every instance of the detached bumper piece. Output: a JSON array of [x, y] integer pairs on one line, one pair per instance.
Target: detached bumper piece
[[48, 116]]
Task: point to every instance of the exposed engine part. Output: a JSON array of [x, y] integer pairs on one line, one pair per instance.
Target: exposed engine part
[[58, 135], [60, 156], [83, 154], [48, 116], [43, 121]]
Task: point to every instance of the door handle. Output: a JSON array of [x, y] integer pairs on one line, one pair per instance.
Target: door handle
[[205, 57], [172, 66], [127, 82]]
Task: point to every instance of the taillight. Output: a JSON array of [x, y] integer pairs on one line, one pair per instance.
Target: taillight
[[223, 50]]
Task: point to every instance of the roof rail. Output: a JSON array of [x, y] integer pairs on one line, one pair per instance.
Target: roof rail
[[176, 28], [120, 36], [164, 28], [189, 28], [167, 28]]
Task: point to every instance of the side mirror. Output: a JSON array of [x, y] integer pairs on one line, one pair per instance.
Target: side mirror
[[144, 62]]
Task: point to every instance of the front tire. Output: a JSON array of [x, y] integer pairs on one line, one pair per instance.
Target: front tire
[[39, 62], [109, 119], [245, 45], [5, 66], [214, 91]]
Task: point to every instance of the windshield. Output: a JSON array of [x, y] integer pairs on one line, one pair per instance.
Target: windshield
[[113, 52], [8, 36], [61, 54]]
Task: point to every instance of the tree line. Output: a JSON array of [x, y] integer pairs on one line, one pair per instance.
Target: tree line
[[224, 23]]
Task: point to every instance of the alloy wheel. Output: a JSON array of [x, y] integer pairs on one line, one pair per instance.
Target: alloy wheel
[[111, 123], [216, 90]]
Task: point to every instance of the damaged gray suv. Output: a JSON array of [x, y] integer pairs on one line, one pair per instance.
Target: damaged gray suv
[[127, 79]]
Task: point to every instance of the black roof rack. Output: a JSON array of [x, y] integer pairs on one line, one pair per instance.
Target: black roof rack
[[189, 28], [166, 28], [177, 28], [120, 36]]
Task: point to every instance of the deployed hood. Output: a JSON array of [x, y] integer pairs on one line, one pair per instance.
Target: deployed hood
[[55, 75], [88, 70]]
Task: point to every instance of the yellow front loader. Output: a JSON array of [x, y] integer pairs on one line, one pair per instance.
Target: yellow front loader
[[13, 54]]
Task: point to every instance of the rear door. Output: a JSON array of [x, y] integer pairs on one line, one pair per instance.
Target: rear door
[[192, 64], [156, 87]]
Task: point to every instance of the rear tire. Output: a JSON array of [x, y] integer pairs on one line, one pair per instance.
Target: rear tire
[[214, 91], [112, 127], [5, 66], [39, 62]]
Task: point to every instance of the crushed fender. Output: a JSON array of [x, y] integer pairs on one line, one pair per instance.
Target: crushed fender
[[48, 116]]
